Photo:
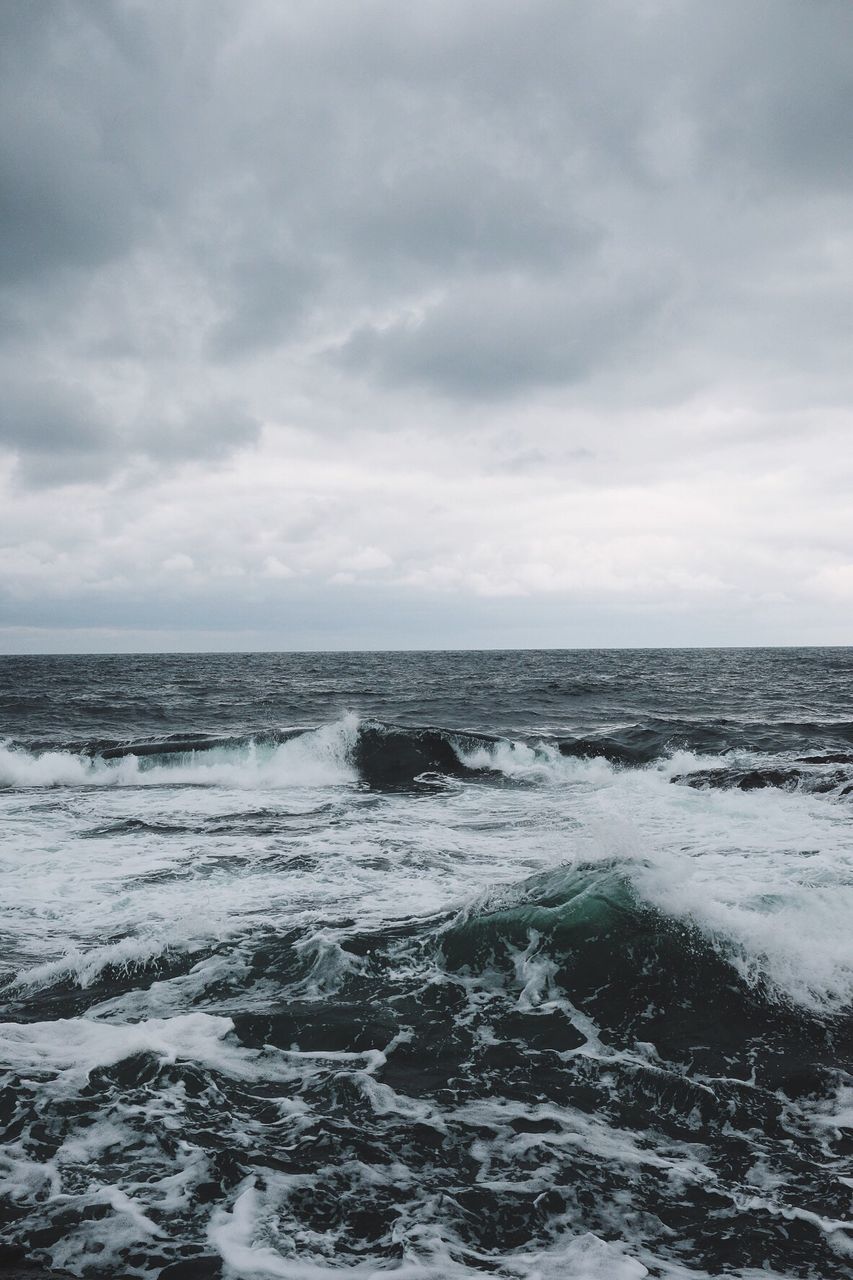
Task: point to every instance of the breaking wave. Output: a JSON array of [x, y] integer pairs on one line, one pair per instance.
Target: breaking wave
[[346, 751], [386, 756], [313, 758]]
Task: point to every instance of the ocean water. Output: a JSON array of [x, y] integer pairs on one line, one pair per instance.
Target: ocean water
[[534, 965]]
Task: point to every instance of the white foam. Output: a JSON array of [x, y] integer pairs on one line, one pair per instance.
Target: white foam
[[69, 1048], [330, 963], [243, 1235], [535, 974], [766, 876], [316, 758], [538, 763], [20, 768], [127, 956]]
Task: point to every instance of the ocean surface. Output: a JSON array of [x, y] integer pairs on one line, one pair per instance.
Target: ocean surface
[[535, 965]]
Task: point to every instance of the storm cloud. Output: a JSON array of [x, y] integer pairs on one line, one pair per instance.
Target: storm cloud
[[375, 324]]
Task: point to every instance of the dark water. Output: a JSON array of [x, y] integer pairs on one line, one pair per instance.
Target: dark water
[[528, 964]]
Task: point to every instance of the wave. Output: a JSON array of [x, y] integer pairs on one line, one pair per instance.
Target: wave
[[837, 781], [83, 968], [723, 966], [346, 751], [391, 757], [656, 738], [560, 1063], [119, 964], [319, 757]]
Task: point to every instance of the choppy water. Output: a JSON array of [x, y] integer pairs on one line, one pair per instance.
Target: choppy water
[[436, 965]]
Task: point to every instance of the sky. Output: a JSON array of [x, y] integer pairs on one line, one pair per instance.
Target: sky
[[332, 324]]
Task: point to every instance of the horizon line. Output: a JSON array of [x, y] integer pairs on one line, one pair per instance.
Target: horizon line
[[604, 648]]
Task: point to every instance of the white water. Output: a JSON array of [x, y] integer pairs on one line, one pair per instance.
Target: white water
[[315, 759], [767, 876], [245, 841]]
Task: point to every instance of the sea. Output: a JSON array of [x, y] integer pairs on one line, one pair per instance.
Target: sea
[[536, 965]]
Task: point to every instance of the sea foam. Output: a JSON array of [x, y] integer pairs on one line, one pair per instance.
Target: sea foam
[[316, 758]]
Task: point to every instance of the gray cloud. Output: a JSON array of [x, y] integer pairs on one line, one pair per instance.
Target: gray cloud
[[60, 433], [67, 201], [57, 430], [305, 170], [316, 245], [502, 335], [207, 431], [263, 300]]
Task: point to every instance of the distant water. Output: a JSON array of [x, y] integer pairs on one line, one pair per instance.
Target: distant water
[[533, 965]]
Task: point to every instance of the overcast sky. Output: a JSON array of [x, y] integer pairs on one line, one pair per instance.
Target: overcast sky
[[347, 325]]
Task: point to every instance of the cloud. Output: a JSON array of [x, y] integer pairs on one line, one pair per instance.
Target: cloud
[[263, 299], [57, 430], [500, 336], [77, 187], [475, 303], [60, 433], [208, 431]]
